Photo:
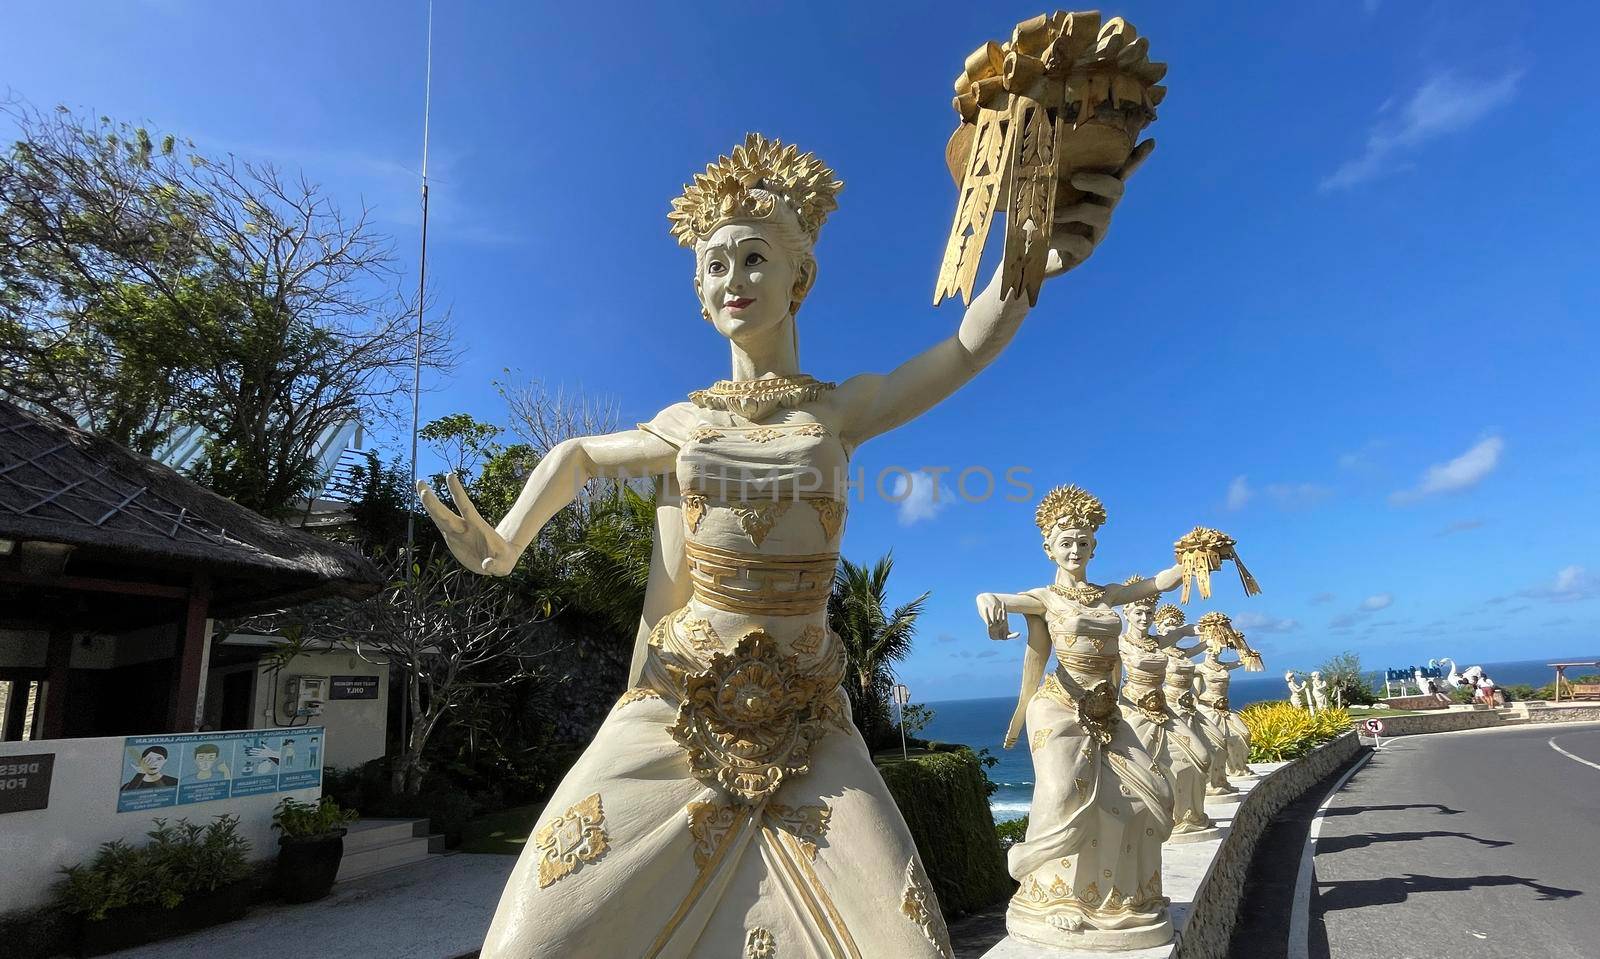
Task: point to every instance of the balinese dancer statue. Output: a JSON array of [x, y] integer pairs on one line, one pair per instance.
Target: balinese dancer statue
[[1211, 681], [1170, 740], [1090, 867], [1298, 695], [727, 806], [1180, 692]]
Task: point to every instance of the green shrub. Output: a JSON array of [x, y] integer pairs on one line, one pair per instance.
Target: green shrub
[[318, 820], [1011, 832], [945, 805], [181, 860]]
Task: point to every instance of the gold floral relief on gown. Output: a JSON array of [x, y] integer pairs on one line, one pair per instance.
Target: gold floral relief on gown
[[917, 904], [748, 719], [1097, 709], [760, 945], [1153, 704], [757, 519], [573, 838], [1039, 736], [701, 636], [809, 640], [694, 510], [635, 694], [830, 513]]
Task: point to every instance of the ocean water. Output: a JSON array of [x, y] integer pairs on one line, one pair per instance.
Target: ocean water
[[981, 723]]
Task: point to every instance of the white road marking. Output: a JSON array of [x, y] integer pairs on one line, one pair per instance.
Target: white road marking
[[1300, 914], [1576, 759]]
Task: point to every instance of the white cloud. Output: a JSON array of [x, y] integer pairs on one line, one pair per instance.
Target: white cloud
[[1262, 623], [1297, 495], [1571, 584], [1463, 472], [1368, 606], [1460, 526], [1321, 598], [1445, 104], [1283, 495], [920, 496], [1239, 493]]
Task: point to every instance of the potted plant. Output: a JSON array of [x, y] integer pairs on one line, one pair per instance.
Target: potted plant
[[186, 878], [310, 847]]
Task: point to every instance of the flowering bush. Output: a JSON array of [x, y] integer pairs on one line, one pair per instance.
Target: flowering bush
[[1280, 732]]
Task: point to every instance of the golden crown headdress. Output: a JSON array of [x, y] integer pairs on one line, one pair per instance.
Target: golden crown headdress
[[1169, 615], [1077, 506], [1149, 602], [725, 191]]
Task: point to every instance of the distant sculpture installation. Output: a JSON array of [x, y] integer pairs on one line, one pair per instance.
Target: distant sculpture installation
[[1180, 691], [1319, 691], [1211, 688], [1165, 732], [727, 807], [1299, 697]]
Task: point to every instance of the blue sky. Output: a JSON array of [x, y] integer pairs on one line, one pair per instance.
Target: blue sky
[[1345, 312]]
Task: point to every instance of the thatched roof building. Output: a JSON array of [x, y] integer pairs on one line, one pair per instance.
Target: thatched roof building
[[94, 537]]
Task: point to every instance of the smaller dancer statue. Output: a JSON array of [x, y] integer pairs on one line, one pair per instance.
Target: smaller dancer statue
[[1297, 690], [1319, 691], [1211, 690], [1180, 691]]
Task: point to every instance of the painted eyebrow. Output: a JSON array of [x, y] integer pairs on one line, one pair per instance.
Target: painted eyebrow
[[723, 247]]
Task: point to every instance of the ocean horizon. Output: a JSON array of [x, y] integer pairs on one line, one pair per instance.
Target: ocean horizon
[[981, 723]]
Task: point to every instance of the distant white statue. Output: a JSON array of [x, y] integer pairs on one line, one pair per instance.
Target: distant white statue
[[1319, 691], [1297, 690], [1453, 680]]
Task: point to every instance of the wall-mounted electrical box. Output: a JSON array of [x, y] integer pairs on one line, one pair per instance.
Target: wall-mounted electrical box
[[304, 696]]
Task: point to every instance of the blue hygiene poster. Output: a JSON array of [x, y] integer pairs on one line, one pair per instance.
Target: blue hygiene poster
[[178, 770]]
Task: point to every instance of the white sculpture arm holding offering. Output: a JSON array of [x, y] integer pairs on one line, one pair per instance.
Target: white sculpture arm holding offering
[[874, 403], [494, 550], [994, 609]]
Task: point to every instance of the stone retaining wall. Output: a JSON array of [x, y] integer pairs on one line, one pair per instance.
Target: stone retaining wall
[[1516, 715], [1216, 904]]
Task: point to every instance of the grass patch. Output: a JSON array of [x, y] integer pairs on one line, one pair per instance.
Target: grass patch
[[503, 833]]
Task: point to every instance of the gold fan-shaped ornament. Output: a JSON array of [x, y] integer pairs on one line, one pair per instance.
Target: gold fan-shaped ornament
[[1066, 94], [1200, 552], [1169, 616]]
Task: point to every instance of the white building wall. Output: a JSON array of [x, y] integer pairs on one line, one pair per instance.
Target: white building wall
[[356, 727], [37, 843]]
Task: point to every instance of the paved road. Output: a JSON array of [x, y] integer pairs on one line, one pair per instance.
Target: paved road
[[1473, 845]]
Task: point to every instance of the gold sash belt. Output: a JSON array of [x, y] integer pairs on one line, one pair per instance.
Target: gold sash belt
[[756, 584]]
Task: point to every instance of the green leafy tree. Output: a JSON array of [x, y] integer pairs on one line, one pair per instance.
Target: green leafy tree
[[149, 287], [874, 637], [1343, 674]]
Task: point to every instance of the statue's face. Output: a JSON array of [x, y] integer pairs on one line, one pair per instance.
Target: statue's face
[[1138, 617], [746, 281], [1071, 547]]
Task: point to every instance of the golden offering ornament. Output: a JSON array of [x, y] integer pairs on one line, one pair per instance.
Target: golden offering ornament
[[1200, 552], [1064, 95]]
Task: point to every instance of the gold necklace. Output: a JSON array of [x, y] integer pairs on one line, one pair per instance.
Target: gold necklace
[[768, 392], [1085, 594], [1145, 642]]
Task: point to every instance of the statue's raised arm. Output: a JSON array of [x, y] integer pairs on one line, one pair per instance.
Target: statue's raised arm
[[875, 403], [494, 550]]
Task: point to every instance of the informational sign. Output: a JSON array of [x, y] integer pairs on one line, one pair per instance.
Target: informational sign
[[181, 769], [353, 687], [25, 781]]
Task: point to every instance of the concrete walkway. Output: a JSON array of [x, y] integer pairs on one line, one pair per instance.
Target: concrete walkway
[[436, 909]]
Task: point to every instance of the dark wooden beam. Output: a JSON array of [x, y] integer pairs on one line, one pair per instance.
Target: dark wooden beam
[[89, 584], [190, 658], [57, 658]]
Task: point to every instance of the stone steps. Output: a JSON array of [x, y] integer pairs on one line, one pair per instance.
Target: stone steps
[[373, 845]]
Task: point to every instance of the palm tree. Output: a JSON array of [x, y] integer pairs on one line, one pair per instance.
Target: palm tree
[[873, 639]]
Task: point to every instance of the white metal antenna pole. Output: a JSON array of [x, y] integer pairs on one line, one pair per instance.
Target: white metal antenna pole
[[416, 363], [422, 286]]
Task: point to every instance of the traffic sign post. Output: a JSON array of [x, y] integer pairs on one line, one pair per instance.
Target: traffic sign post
[[902, 696], [1375, 727]]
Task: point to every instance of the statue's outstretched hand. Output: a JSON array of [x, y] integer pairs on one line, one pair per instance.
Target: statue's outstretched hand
[[477, 545], [993, 612], [1069, 248]]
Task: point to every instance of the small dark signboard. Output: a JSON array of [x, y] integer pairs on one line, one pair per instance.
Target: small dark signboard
[[353, 687], [25, 781]]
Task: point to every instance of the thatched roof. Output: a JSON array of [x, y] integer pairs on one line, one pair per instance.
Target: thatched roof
[[60, 484]]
